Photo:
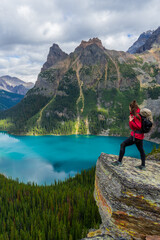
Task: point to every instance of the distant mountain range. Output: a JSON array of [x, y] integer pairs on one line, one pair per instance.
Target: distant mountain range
[[15, 85], [12, 90], [88, 91]]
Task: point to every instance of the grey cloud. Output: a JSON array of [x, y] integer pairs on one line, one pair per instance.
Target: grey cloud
[[117, 5], [29, 27], [30, 23]]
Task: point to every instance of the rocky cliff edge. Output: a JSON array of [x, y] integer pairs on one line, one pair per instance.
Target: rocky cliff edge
[[128, 198]]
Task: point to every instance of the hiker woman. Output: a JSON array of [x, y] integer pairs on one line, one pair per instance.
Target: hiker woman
[[136, 137]]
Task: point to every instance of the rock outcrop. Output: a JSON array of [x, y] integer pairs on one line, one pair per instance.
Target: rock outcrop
[[128, 198]]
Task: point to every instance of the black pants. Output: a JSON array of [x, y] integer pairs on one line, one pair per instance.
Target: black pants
[[129, 141]]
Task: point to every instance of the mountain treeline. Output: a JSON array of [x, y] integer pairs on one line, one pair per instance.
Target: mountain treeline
[[63, 210]]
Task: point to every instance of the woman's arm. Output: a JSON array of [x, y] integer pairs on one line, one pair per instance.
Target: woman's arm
[[135, 123]]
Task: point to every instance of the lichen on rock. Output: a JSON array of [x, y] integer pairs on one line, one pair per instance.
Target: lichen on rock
[[128, 198]]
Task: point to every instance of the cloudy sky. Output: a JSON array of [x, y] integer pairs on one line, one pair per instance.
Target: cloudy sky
[[29, 27]]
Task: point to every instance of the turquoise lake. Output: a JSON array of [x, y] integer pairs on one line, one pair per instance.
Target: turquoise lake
[[44, 159]]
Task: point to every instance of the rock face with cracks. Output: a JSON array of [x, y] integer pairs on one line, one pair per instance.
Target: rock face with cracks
[[128, 198]]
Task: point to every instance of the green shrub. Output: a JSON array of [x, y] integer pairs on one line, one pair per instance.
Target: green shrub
[[127, 70], [154, 92]]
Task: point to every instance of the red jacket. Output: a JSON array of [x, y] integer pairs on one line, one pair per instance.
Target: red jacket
[[136, 124]]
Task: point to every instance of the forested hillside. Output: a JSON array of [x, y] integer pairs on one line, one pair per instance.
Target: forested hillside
[[8, 100], [64, 210]]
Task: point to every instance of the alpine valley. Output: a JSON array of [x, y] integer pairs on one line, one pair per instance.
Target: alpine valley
[[89, 90]]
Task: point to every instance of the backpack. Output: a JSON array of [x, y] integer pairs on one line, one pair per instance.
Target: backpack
[[147, 120]]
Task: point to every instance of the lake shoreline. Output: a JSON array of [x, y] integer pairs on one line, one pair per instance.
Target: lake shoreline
[[104, 134]]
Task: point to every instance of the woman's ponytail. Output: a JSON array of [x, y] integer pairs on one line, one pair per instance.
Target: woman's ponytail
[[134, 106]]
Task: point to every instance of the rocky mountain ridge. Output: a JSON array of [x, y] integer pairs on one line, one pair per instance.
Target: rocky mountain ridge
[[91, 41], [152, 42], [140, 42], [146, 41], [88, 91]]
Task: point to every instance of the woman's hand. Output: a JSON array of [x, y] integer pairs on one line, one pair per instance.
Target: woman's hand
[[131, 118]]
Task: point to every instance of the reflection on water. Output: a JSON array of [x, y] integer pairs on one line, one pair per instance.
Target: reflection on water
[[44, 159]]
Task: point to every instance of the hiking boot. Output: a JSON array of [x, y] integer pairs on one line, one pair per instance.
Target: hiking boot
[[141, 167], [117, 163]]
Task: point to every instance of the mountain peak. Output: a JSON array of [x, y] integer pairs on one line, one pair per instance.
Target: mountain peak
[[140, 41], [55, 47], [91, 52], [149, 32], [91, 41], [146, 41], [152, 42], [55, 55]]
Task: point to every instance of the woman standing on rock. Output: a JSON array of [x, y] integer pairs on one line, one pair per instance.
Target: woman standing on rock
[[136, 137]]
